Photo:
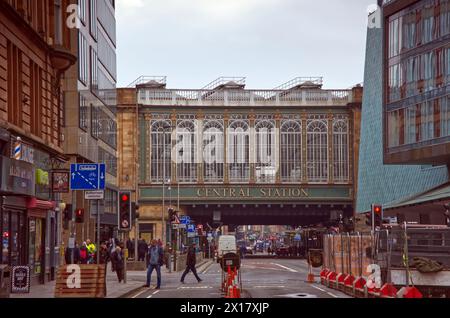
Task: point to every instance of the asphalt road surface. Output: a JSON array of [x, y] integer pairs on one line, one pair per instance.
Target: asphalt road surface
[[261, 278]]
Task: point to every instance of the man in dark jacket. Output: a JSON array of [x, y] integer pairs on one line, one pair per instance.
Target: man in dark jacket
[[191, 261], [118, 262], [155, 259], [142, 249], [75, 252]]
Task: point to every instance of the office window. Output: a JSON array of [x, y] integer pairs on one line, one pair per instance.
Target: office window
[[238, 158], [445, 116], [84, 118], [95, 122], [83, 59], [82, 7], [429, 70], [393, 129], [428, 26], [394, 38], [93, 18], [395, 82], [94, 71], [317, 149], [409, 30], [291, 151], [427, 121], [412, 75], [213, 154], [161, 145], [410, 125]]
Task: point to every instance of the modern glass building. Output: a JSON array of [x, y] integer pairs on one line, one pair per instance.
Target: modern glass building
[[377, 182]]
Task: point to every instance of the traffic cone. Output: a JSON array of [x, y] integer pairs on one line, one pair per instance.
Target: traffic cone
[[311, 277]]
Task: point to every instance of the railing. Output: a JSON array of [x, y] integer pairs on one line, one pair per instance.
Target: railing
[[224, 80], [299, 81], [146, 79], [250, 97]]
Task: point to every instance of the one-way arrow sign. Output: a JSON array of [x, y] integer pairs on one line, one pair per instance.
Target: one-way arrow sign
[[87, 177]]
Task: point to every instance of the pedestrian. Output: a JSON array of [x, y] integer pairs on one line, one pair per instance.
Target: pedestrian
[[142, 250], [92, 250], [155, 259], [191, 261], [118, 263], [104, 254], [72, 252], [130, 248], [84, 254]]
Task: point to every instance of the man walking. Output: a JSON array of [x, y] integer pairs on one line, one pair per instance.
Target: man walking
[[155, 261], [190, 264]]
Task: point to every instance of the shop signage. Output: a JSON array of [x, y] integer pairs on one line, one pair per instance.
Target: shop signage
[[42, 177], [268, 193], [60, 181], [17, 177], [20, 280], [23, 152]]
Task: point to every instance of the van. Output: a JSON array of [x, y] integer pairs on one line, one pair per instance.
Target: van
[[226, 244]]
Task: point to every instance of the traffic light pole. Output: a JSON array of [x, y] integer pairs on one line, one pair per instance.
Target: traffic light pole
[[373, 219], [98, 232]]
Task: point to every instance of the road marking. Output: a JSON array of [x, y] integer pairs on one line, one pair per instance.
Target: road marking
[[153, 294], [139, 294], [203, 287], [332, 295], [323, 290], [273, 286], [287, 268]]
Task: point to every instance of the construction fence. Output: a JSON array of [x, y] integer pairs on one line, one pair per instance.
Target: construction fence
[[349, 254]]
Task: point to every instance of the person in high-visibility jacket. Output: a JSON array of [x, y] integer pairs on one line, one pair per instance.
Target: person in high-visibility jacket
[[92, 249]]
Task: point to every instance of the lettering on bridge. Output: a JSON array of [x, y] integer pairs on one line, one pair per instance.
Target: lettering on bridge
[[252, 193]]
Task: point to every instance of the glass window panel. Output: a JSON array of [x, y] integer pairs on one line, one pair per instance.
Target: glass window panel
[[186, 151], [5, 237], [238, 157], [161, 145], [213, 155], [341, 150], [265, 151], [291, 151], [317, 150]]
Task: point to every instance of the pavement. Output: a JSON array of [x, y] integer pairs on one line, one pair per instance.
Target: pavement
[[135, 281]]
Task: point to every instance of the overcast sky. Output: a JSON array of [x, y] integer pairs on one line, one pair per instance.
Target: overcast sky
[[270, 42]]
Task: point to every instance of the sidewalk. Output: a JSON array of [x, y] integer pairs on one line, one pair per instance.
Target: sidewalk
[[135, 280]]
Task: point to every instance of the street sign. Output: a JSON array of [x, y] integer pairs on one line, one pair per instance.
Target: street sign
[[20, 280], [191, 228], [93, 208], [72, 242], [191, 234], [87, 177], [94, 195], [185, 219], [175, 226], [182, 226]]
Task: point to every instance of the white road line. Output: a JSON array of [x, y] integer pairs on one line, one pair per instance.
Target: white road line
[[323, 290], [156, 292], [139, 294], [287, 268], [332, 295]]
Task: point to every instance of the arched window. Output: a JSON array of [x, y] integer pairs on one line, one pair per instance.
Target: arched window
[[213, 156], [186, 151], [317, 150], [340, 150], [291, 151], [161, 131], [265, 151], [238, 151]]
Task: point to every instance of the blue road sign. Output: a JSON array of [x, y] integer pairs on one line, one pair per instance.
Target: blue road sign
[[185, 219], [88, 176], [191, 228]]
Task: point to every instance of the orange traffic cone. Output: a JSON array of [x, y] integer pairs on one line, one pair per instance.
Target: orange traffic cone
[[237, 292]]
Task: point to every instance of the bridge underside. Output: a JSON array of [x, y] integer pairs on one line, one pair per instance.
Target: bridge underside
[[295, 215]]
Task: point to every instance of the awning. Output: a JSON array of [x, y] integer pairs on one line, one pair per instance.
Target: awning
[[436, 196], [34, 203]]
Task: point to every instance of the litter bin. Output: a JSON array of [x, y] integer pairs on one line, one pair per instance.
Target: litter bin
[[5, 281]]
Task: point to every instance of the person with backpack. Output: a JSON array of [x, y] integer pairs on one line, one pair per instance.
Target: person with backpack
[[155, 260]]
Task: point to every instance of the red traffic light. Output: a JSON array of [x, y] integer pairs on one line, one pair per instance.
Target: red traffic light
[[79, 212], [125, 197], [377, 209]]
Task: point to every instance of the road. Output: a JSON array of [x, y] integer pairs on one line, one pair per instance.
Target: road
[[261, 278]]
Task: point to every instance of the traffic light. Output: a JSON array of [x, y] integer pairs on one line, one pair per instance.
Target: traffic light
[[125, 210], [79, 216], [377, 210]]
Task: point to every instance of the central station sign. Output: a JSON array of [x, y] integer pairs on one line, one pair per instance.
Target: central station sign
[[249, 193]]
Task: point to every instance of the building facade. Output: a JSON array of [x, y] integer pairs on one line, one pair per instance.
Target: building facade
[[380, 183], [90, 127], [35, 52], [416, 74], [228, 155]]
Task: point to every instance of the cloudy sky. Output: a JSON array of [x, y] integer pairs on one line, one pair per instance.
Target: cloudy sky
[[270, 42]]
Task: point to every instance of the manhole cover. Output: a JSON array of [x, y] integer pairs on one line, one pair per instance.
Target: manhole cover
[[298, 296]]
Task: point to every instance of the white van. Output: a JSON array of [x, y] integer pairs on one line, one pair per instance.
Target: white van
[[226, 244]]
